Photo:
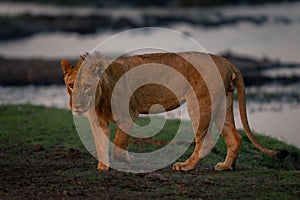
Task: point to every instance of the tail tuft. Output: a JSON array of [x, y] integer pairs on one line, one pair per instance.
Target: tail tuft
[[282, 154]]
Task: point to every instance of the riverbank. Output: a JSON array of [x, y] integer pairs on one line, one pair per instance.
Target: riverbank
[[43, 157], [30, 71], [48, 71]]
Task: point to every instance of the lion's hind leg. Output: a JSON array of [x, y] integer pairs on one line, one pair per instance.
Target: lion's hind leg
[[195, 158], [233, 141], [201, 126], [231, 137]]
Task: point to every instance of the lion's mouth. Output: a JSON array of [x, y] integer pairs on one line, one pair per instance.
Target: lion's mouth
[[79, 110]]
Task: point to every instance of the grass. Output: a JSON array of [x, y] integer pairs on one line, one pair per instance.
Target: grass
[[29, 125], [56, 171]]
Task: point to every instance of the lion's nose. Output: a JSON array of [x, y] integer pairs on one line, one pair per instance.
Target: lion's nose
[[76, 108]]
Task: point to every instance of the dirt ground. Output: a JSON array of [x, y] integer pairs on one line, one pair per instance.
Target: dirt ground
[[41, 157], [60, 173]]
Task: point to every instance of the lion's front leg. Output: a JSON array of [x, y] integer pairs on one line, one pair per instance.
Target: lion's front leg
[[121, 142], [103, 157], [100, 132]]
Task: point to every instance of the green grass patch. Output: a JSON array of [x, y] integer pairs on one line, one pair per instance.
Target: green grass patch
[[33, 125], [29, 126], [59, 172]]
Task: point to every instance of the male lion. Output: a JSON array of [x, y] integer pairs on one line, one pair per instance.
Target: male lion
[[195, 68]]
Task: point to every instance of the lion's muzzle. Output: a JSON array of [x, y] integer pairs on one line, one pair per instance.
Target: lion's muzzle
[[79, 110]]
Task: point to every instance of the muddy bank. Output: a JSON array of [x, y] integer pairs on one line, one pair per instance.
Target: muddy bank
[[38, 71], [33, 71], [255, 70]]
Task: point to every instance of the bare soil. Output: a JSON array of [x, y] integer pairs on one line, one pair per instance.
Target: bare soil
[[41, 157], [60, 173]]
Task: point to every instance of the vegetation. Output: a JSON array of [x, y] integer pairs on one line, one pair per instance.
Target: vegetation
[[41, 156]]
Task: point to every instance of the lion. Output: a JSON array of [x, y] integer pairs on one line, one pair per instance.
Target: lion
[[196, 94]]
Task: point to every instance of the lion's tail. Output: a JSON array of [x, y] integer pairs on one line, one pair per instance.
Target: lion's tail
[[281, 154]]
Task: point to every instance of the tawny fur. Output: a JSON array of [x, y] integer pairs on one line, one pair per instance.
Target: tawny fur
[[151, 94]]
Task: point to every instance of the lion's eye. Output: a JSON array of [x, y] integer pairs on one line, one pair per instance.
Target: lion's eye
[[70, 87], [87, 87]]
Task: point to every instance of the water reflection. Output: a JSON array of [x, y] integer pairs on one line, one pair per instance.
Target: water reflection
[[273, 109], [274, 39], [50, 96], [277, 119]]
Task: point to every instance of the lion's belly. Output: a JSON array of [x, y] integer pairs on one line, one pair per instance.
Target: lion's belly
[[147, 98]]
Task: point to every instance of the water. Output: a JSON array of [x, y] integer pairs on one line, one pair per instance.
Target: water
[[50, 96], [274, 119], [275, 39], [275, 42]]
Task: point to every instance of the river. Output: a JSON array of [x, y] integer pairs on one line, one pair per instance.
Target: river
[[278, 38]]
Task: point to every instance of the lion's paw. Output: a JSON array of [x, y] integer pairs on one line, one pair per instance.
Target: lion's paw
[[102, 166], [182, 166], [122, 157], [223, 166]]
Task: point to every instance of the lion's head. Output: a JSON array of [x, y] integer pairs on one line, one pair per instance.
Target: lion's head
[[82, 80], [70, 73]]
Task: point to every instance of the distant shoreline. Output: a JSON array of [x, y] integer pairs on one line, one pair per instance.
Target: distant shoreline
[[25, 25], [46, 72], [91, 19]]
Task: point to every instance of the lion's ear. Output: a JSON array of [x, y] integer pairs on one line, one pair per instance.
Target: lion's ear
[[66, 66], [95, 62], [83, 56]]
